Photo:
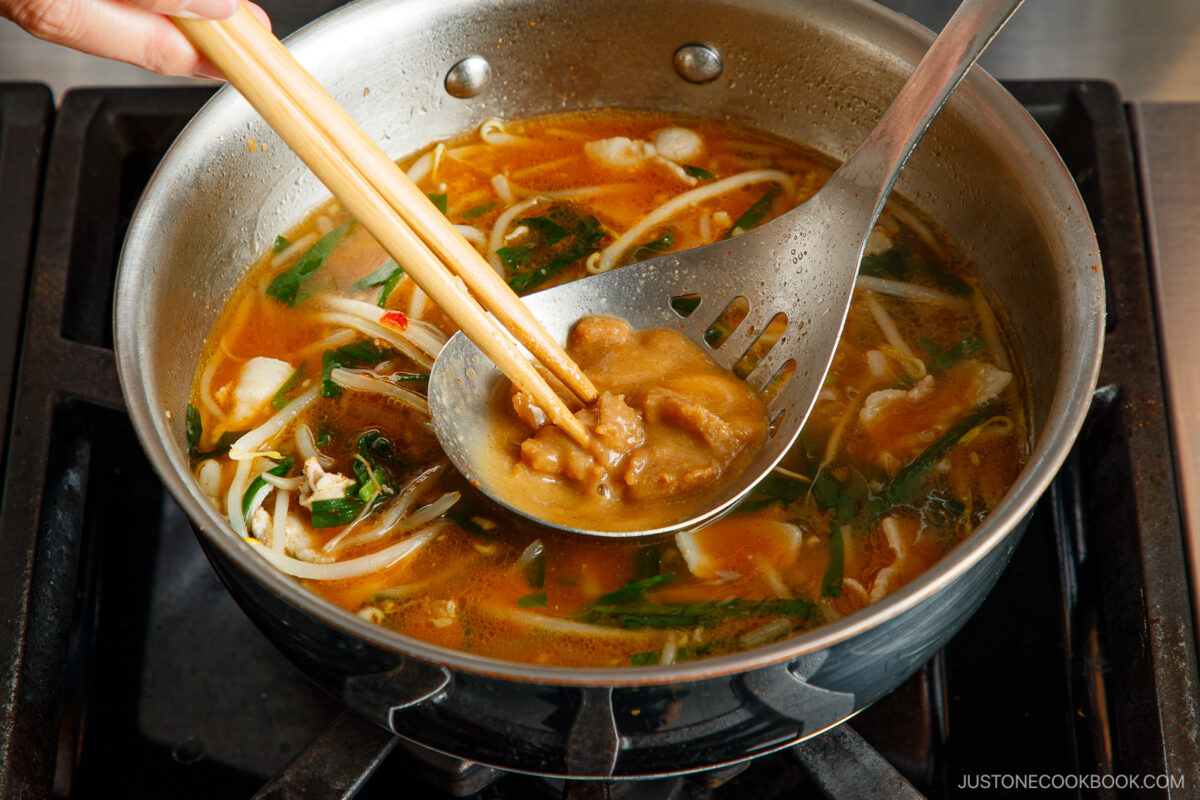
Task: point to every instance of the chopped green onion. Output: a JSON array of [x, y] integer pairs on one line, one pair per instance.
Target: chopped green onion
[[286, 284], [440, 200], [634, 590], [753, 215], [281, 397], [535, 571], [535, 600], [890, 263], [280, 245], [547, 230], [959, 352], [479, 210], [660, 245], [259, 488], [385, 291], [697, 172], [831, 582], [193, 428], [515, 257], [335, 511], [378, 277], [685, 304], [904, 486], [355, 354]]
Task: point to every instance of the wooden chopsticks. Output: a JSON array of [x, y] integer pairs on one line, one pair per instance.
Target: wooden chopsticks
[[382, 198]]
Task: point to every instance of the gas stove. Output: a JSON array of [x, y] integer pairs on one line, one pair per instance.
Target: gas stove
[[126, 666]]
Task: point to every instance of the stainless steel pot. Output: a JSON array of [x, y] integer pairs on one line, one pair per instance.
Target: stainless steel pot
[[819, 71]]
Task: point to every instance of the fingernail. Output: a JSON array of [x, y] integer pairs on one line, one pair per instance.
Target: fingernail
[[208, 9]]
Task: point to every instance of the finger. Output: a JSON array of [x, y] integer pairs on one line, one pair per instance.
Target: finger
[[111, 29], [191, 9], [117, 30]]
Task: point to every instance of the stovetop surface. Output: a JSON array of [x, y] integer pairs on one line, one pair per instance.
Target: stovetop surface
[[125, 665]]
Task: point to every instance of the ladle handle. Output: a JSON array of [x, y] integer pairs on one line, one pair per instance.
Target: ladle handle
[[872, 169]]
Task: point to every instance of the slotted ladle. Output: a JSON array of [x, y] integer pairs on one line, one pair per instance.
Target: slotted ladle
[[800, 267]]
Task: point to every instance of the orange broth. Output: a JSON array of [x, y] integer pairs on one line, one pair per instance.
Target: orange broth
[[918, 433]]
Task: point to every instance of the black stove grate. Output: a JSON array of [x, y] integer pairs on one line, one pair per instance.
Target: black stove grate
[[125, 664]]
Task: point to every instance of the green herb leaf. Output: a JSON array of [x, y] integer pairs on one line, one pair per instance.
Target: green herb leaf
[[900, 265], [280, 245], [479, 210], [685, 304], [634, 590], [888, 264], [324, 437], [699, 173], [224, 442], [536, 600], [956, 353], [385, 291], [929, 346], [786, 489], [535, 571], [356, 354], [528, 280], [547, 230], [259, 488], [903, 488], [193, 428], [363, 351], [335, 511], [561, 238], [281, 397], [753, 215], [645, 659], [831, 582], [440, 200], [826, 490], [515, 257], [287, 284], [654, 247], [378, 277]]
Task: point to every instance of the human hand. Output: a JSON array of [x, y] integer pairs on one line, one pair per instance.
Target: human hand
[[136, 31]]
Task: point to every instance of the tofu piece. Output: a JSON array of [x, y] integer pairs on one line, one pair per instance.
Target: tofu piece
[[257, 383], [620, 152], [678, 144]]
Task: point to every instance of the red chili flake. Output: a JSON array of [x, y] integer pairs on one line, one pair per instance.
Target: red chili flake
[[396, 319]]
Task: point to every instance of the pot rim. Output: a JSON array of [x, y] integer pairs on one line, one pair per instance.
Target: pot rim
[[1063, 420]]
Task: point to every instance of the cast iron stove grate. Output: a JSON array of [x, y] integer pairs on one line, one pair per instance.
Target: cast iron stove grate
[[126, 666]]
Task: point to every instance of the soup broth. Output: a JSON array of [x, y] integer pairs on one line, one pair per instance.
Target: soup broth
[[309, 428]]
